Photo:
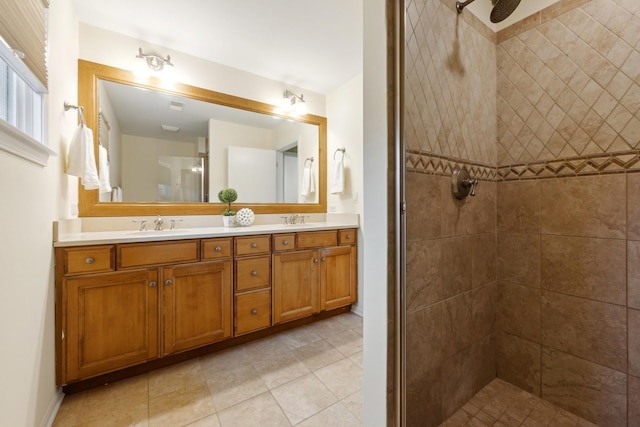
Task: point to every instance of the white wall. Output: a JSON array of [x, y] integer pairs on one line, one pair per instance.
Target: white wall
[[32, 198], [374, 225]]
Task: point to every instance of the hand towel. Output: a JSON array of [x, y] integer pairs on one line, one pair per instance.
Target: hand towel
[[337, 177], [308, 185], [81, 160], [103, 170]]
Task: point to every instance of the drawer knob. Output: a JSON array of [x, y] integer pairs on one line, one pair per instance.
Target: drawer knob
[[254, 311], [285, 242], [152, 284], [168, 282], [348, 236], [254, 245], [218, 249], [254, 273], [89, 260]]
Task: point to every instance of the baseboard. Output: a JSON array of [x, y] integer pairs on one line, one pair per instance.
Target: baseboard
[[357, 309], [54, 407]]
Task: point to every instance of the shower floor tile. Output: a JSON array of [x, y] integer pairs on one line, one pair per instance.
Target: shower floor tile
[[500, 404]]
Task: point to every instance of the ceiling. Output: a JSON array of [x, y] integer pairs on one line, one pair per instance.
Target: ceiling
[[312, 44]]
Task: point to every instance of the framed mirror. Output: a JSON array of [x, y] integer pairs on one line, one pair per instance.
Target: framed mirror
[[172, 147]]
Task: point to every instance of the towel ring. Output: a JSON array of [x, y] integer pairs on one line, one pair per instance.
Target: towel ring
[[342, 150], [308, 159]]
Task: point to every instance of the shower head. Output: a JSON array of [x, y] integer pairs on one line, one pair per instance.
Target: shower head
[[501, 8]]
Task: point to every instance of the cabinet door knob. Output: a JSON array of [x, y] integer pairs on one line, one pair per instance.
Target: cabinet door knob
[[254, 311], [324, 259], [218, 249], [152, 284], [168, 282], [315, 260], [254, 245], [285, 242], [89, 260], [254, 273]]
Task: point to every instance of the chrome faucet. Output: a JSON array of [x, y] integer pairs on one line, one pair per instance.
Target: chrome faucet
[[158, 222]]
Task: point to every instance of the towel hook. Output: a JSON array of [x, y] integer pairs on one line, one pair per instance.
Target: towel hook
[[342, 150], [68, 106], [308, 159]]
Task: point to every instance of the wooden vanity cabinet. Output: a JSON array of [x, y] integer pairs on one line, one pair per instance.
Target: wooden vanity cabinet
[[111, 322], [320, 275]]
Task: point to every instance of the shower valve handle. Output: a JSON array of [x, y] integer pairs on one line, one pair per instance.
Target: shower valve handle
[[473, 183]]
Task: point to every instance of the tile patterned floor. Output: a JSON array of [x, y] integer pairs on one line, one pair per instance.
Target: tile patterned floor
[[310, 376], [500, 404]]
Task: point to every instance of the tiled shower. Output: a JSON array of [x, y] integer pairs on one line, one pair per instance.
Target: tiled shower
[[536, 279]]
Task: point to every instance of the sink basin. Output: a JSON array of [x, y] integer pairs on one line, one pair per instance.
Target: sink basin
[[156, 233]]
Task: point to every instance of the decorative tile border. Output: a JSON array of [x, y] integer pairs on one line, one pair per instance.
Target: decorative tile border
[[600, 164]]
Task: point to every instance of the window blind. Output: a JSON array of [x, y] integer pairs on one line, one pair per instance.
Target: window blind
[[23, 25]]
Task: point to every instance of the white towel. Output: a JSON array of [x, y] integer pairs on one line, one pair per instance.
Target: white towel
[[337, 177], [103, 170], [308, 185], [81, 160]]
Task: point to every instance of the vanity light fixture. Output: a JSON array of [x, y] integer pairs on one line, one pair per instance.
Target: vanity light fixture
[[292, 103], [154, 62]]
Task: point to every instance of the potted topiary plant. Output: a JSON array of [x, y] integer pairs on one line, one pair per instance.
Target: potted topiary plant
[[228, 196]]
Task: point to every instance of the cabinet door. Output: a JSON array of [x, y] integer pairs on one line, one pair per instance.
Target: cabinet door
[[295, 285], [197, 304], [338, 277], [112, 321]]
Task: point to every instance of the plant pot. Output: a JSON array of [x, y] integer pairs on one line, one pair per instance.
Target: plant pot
[[229, 221]]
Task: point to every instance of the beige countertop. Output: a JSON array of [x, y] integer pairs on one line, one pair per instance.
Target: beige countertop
[[73, 236]]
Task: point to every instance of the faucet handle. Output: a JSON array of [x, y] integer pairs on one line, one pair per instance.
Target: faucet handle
[[143, 224], [173, 223]]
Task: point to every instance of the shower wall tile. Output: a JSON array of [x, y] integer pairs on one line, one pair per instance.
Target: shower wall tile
[[519, 311], [423, 196], [634, 342], [519, 258], [424, 399], [519, 206], [592, 330], [424, 273], [448, 112], [633, 274], [456, 274], [458, 374], [634, 401], [483, 354], [585, 267], [587, 389], [633, 205], [425, 346], [518, 362], [457, 323], [484, 302], [579, 96], [483, 259], [469, 216], [597, 201]]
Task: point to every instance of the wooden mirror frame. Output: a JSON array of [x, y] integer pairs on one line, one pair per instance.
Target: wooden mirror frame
[[89, 206]]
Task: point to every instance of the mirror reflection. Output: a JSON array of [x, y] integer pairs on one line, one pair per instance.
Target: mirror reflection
[[167, 148]]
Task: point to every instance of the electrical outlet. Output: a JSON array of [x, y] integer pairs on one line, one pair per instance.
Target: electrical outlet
[[355, 197]]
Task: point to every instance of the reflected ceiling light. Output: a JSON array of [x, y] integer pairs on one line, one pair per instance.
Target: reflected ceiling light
[[170, 128], [154, 62], [292, 103]]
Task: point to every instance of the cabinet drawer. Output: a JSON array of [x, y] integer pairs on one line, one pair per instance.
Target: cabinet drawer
[[217, 248], [147, 254], [316, 239], [284, 242], [347, 237], [89, 259], [253, 245], [253, 311], [253, 273]]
